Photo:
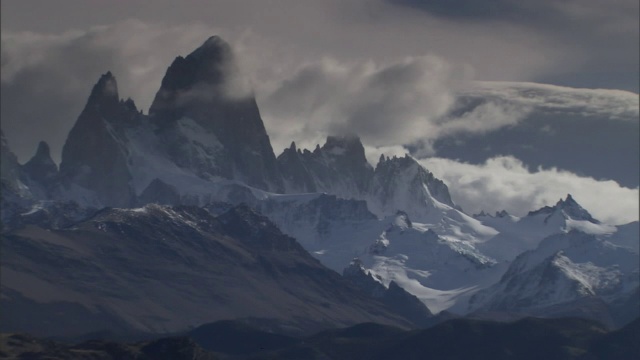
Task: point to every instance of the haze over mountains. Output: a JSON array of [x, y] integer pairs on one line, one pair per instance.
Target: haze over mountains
[[141, 228]]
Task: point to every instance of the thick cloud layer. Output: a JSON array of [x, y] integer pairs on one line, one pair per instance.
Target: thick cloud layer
[[505, 183]]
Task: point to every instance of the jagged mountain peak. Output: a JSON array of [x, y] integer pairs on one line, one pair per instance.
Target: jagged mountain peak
[[205, 92], [346, 140], [569, 208], [413, 173], [349, 148], [43, 152], [41, 166], [105, 91], [197, 78], [214, 41]]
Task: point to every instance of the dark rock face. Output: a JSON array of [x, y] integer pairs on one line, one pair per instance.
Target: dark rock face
[[395, 297], [200, 87], [10, 169], [164, 269], [338, 167], [294, 169], [42, 171], [95, 153], [388, 170], [16, 196]]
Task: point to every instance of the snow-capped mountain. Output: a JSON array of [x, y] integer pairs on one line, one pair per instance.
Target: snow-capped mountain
[[564, 269], [518, 234], [204, 142], [340, 167], [444, 261]]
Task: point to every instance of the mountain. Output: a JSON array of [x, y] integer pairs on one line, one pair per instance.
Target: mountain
[[564, 272], [519, 234], [9, 167], [437, 261], [42, 171], [94, 157], [161, 269], [197, 133], [204, 140], [90, 238], [446, 260], [394, 296], [340, 168], [201, 92]]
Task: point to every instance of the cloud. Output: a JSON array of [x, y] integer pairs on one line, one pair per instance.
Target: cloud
[[606, 103], [385, 104], [506, 183]]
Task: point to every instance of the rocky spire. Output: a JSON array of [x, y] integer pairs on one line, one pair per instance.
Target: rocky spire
[[41, 167], [569, 208], [206, 86], [94, 156]]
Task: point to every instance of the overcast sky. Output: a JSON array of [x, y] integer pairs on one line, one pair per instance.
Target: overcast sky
[[390, 70]]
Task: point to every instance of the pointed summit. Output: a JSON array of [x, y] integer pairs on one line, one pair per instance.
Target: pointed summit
[[197, 78], [41, 167], [43, 151], [214, 43], [207, 88], [105, 91], [569, 208], [572, 209], [93, 156]]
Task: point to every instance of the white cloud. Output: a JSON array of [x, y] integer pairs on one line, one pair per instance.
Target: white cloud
[[385, 104], [608, 103], [373, 153], [506, 183]]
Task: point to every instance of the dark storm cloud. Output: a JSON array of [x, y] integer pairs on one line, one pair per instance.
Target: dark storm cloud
[[604, 32]]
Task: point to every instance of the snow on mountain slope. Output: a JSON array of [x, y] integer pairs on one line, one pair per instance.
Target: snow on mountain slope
[[563, 268], [340, 167], [516, 235], [436, 262], [451, 256], [627, 236]]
